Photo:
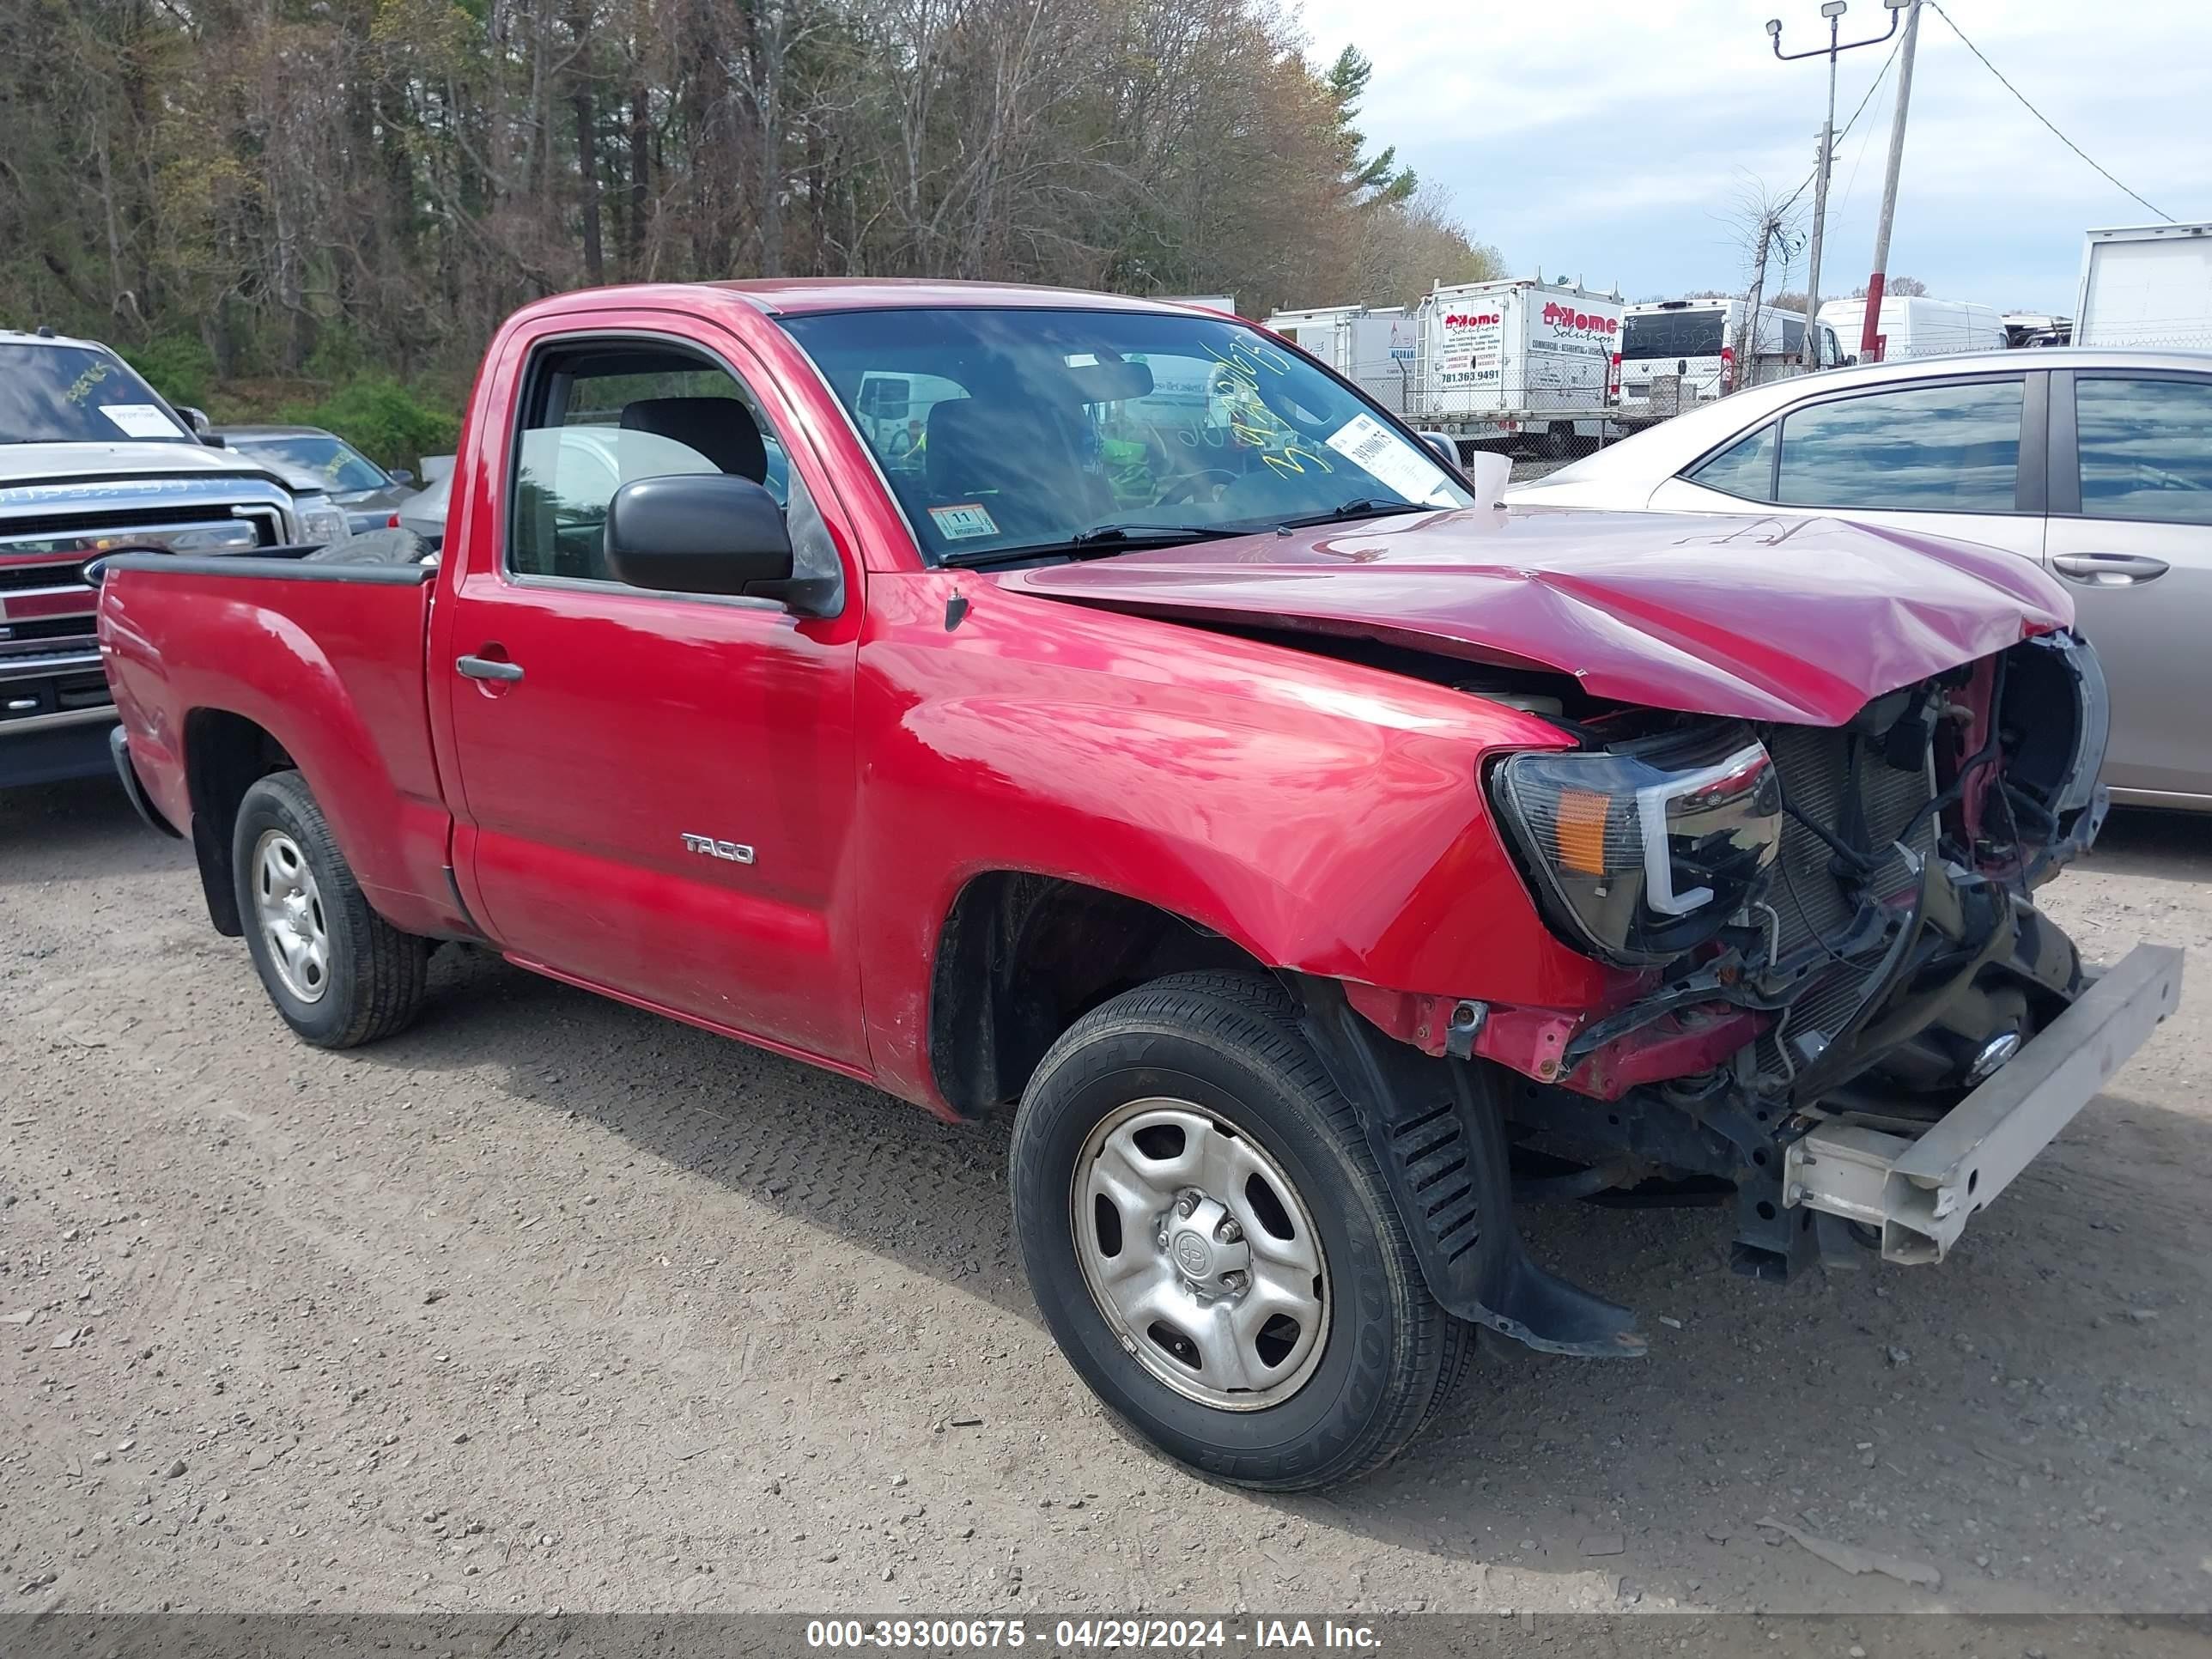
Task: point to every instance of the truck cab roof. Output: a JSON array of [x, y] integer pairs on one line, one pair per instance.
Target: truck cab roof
[[793, 295]]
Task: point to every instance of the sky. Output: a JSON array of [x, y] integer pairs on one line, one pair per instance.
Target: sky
[[1613, 141]]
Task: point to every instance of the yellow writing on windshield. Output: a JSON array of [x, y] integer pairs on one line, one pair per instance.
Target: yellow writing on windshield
[[1235, 390], [91, 378]]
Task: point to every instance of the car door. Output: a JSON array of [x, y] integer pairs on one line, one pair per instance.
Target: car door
[[2130, 535], [1961, 456], [655, 790]]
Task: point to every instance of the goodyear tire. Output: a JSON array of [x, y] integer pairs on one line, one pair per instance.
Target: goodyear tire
[[338, 973], [1212, 1247]]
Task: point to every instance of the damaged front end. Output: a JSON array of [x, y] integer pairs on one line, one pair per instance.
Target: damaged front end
[[1837, 951]]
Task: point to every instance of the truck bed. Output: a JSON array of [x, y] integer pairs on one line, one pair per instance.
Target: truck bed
[[325, 659]]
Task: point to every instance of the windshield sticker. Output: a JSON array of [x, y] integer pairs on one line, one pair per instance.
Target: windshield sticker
[[139, 420], [1367, 443], [957, 523]]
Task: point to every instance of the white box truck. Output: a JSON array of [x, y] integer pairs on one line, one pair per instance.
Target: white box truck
[[1493, 365], [2146, 285], [1520, 360]]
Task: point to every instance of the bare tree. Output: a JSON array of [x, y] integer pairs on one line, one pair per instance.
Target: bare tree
[[1760, 222]]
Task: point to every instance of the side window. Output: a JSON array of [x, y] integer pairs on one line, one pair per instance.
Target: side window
[[1744, 468], [598, 416], [2146, 449], [1932, 449]]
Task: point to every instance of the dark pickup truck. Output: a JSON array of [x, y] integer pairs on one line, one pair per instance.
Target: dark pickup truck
[[1096, 708]]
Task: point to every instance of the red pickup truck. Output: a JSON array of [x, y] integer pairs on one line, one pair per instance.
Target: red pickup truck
[[1096, 708]]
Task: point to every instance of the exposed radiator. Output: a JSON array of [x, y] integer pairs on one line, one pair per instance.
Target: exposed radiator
[[1815, 766]]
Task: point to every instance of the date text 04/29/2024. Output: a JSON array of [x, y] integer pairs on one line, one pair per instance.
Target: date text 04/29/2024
[[1173, 1635]]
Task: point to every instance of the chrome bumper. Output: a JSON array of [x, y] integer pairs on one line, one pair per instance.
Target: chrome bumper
[[1919, 1192]]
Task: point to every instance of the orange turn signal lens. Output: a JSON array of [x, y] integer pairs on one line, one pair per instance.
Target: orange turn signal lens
[[1581, 818]]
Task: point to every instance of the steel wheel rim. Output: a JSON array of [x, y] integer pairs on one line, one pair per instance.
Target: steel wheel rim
[[1201, 1255], [287, 906]]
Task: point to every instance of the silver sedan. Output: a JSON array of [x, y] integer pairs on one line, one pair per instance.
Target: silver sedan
[[2095, 463]]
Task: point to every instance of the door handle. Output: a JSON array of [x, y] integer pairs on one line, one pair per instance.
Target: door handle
[[2108, 570], [487, 668]]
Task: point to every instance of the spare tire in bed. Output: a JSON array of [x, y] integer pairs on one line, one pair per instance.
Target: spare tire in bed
[[391, 546]]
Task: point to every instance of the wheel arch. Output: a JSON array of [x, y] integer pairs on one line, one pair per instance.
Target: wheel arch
[[1021, 957], [225, 754]]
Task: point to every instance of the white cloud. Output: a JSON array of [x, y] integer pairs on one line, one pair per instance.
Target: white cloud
[[1612, 140]]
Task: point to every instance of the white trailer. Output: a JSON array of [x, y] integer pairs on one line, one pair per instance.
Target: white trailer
[[1493, 365], [2146, 285], [1517, 361], [1374, 348]]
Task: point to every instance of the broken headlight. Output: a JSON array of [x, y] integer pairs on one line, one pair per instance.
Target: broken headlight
[[1642, 851]]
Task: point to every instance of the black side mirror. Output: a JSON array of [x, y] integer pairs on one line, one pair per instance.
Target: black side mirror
[[704, 532]]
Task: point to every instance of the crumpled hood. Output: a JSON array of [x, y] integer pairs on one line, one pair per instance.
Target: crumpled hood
[[1799, 621]]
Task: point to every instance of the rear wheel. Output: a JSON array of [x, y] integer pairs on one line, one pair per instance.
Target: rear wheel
[[1211, 1245], [338, 973]]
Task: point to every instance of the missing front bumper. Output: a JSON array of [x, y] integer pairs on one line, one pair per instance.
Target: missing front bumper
[[1920, 1193]]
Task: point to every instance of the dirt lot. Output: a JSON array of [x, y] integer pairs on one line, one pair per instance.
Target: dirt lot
[[549, 1303]]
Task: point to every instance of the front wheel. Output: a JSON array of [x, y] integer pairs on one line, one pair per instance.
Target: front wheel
[[338, 973], [1212, 1246]]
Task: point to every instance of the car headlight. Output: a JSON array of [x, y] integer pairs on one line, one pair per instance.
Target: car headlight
[[322, 520], [1646, 850]]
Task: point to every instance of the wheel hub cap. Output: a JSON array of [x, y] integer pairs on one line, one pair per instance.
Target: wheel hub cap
[[1208, 1248], [1203, 1258], [287, 906]]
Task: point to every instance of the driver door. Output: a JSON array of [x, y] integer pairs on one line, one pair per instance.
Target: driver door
[[656, 789]]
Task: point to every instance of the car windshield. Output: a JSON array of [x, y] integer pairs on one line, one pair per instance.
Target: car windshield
[[344, 467], [1021, 430], [61, 394]]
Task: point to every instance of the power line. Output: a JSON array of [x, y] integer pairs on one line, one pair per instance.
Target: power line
[[1857, 162], [2037, 114]]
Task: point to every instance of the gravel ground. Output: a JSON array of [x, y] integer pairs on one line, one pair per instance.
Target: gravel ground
[[549, 1303]]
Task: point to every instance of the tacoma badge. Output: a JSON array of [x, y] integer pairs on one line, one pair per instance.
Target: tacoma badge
[[734, 852]]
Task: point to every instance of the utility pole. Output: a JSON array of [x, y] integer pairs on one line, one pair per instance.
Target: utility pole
[[1746, 339], [1834, 11], [1870, 340], [1745, 346]]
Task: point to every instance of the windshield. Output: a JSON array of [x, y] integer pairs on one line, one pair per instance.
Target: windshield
[[57, 394], [1671, 334], [1002, 430], [343, 467]]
